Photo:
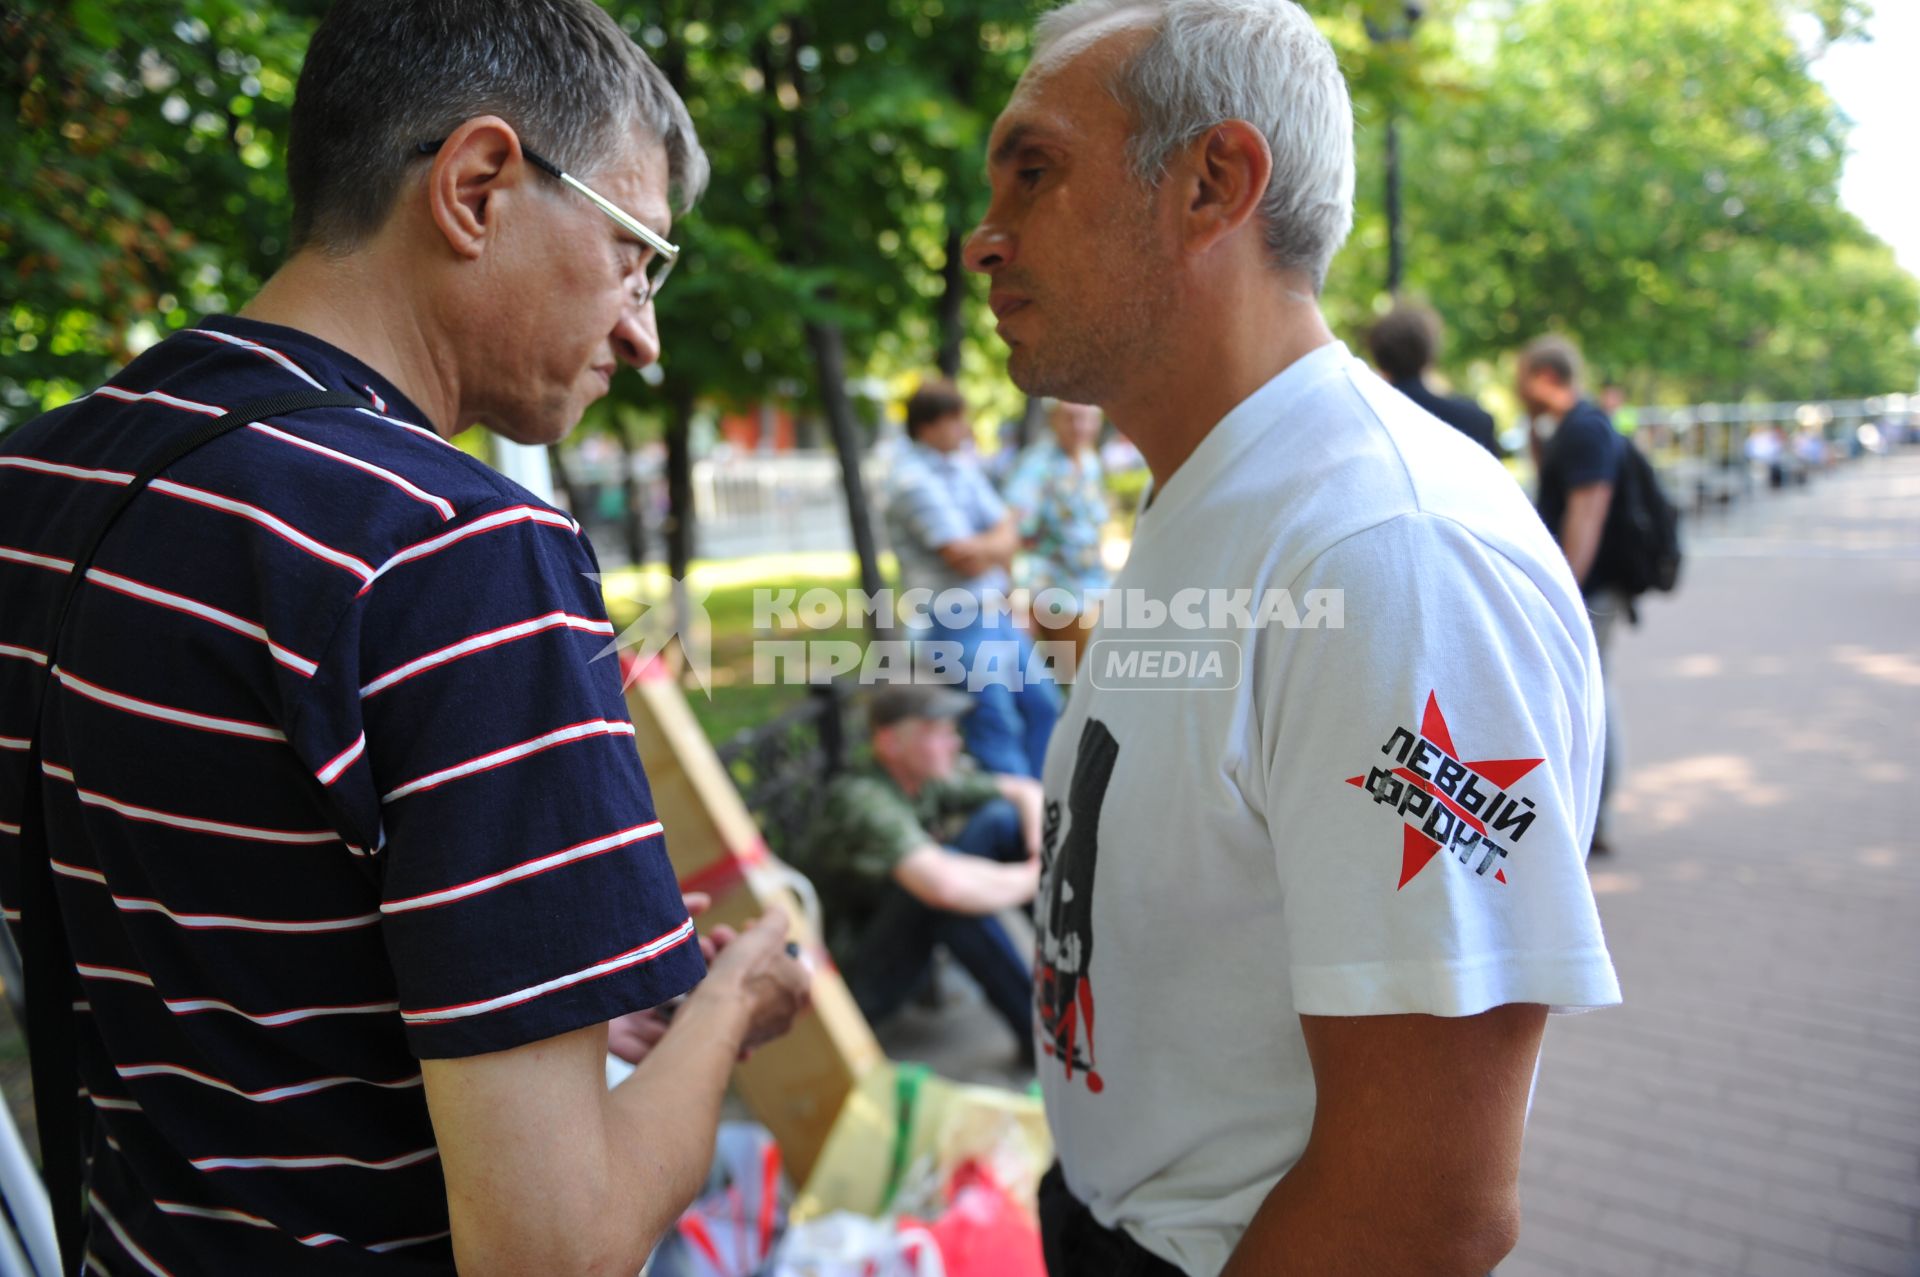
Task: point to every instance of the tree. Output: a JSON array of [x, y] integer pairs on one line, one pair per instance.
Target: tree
[[1625, 172], [143, 184]]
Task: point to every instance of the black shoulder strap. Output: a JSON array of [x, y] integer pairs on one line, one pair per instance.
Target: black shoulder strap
[[51, 985]]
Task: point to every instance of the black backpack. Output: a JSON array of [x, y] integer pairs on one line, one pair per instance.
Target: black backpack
[[1642, 536]]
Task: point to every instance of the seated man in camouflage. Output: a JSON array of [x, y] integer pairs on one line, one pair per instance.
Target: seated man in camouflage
[[920, 850]]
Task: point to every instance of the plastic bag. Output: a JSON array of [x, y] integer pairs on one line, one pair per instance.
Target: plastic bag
[[733, 1228], [843, 1244]]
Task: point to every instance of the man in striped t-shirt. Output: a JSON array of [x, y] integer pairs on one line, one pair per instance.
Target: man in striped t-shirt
[[348, 829]]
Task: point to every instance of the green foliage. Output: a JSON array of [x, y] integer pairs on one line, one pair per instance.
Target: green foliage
[[1656, 178], [143, 182]]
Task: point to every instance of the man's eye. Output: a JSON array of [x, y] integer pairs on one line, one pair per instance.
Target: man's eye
[[1030, 175]]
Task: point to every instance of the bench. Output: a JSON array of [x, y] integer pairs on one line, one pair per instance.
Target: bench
[[782, 766]]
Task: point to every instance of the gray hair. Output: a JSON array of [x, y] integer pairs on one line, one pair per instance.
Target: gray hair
[[1261, 61], [383, 76]]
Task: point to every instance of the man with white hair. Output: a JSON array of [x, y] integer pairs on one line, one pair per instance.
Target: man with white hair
[[1323, 896]]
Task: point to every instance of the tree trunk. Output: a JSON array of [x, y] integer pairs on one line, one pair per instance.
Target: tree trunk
[[635, 492], [680, 498], [948, 316], [825, 340], [577, 504], [830, 359]]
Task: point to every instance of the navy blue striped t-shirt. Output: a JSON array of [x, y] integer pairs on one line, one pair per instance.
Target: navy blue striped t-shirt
[[336, 778]]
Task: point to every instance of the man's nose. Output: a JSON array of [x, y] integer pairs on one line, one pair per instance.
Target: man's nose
[[988, 248], [636, 338]]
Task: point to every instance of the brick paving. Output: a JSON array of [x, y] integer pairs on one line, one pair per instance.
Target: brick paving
[[1754, 1108]]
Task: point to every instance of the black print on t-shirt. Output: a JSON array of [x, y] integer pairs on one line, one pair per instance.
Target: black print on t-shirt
[[1064, 989]]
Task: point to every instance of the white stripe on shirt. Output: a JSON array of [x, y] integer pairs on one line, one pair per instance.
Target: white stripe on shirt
[[309, 1163], [192, 607], [441, 504], [271, 1095], [165, 713], [274, 1019], [486, 523], [343, 760], [258, 349], [121, 1235], [23, 653], [271, 522], [211, 921], [228, 922], [482, 641], [158, 396], [526, 869], [210, 1212], [119, 478], [511, 754], [225, 830], [619, 962], [36, 560]]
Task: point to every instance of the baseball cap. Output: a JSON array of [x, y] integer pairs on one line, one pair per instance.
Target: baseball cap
[[889, 705]]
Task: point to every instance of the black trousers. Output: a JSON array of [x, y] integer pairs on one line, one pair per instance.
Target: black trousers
[[1078, 1246]]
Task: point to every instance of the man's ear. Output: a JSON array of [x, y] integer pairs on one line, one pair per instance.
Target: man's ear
[[1227, 169], [479, 161]]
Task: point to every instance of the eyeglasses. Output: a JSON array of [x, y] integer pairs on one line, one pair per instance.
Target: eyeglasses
[[654, 273]]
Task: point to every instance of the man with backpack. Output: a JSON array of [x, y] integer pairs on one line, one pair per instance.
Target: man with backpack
[[1603, 505]]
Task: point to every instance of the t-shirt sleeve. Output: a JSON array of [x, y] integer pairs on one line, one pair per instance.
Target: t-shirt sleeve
[[866, 830], [487, 763], [1431, 773], [1587, 450]]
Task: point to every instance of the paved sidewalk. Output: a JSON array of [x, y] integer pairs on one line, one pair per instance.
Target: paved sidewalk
[[1754, 1108]]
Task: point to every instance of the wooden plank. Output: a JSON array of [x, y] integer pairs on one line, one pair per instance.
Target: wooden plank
[[796, 1085]]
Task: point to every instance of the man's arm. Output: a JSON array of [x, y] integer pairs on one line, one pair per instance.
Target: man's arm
[[1413, 1162], [548, 1171], [1582, 526], [1028, 799], [956, 883], [993, 548]]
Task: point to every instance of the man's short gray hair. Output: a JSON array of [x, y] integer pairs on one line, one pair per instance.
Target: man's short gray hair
[[383, 76], [1261, 61]]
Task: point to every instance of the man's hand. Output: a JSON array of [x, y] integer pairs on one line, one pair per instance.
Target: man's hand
[[755, 968], [1413, 1163]]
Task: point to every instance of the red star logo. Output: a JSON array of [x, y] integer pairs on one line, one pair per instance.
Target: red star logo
[[1416, 849]]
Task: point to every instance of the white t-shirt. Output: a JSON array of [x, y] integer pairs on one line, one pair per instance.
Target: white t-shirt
[[1248, 825]]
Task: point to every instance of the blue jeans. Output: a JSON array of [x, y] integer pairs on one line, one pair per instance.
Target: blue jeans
[[894, 953], [1008, 730]]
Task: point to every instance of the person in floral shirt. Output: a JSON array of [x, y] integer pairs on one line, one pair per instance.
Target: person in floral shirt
[[1058, 493]]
